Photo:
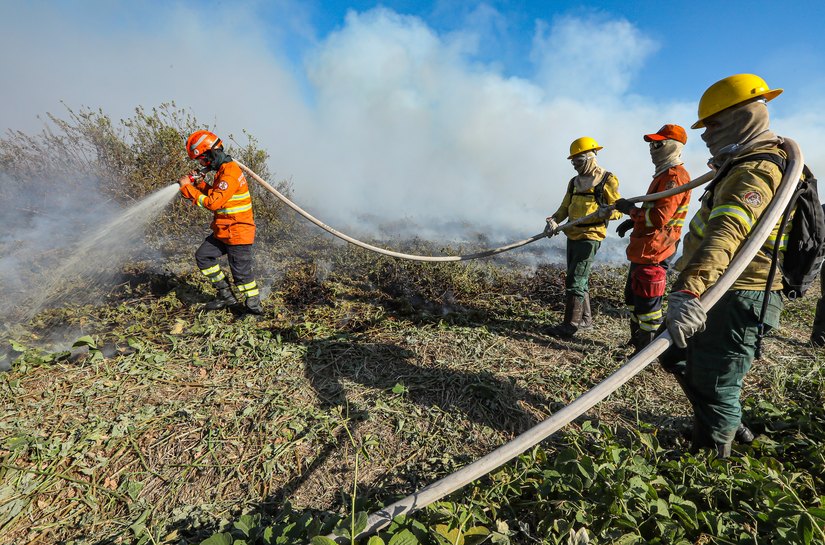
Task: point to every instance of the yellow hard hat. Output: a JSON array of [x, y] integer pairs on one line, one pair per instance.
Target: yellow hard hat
[[583, 144], [731, 91]]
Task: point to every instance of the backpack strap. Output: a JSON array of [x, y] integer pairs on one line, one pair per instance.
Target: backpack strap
[[598, 196]]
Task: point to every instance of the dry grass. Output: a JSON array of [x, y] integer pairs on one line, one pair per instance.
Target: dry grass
[[177, 420]]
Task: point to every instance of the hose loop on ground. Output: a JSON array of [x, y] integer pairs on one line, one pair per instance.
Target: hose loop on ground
[[541, 431]]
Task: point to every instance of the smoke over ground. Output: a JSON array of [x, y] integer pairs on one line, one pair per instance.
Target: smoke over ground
[[386, 127]]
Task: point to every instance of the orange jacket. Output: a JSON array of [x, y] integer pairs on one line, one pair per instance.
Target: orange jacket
[[229, 199], [657, 226]]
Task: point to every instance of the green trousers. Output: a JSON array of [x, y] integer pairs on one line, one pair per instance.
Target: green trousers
[[718, 359], [580, 254]]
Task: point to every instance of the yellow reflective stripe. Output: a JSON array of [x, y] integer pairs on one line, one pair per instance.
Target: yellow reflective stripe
[[683, 208], [218, 277], [251, 293], [240, 197], [211, 270], [678, 222], [733, 211], [235, 209], [697, 225], [248, 286], [645, 326], [648, 223], [650, 316], [771, 242], [201, 198]]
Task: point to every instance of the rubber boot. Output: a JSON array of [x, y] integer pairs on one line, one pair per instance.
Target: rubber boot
[[252, 305], [225, 298], [818, 333], [743, 435], [573, 309], [587, 316], [641, 338], [723, 450], [700, 438]]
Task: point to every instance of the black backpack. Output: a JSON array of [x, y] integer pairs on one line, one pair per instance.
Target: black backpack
[[806, 239]]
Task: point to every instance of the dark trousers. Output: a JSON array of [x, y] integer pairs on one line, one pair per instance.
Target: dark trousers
[[239, 255], [718, 359]]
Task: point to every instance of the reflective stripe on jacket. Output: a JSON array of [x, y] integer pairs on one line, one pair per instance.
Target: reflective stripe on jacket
[[724, 222], [657, 226], [229, 199], [576, 205]]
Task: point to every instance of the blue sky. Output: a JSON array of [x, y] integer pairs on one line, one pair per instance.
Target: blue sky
[[436, 119]]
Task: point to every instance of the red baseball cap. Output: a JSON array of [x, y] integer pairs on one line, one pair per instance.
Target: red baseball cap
[[668, 132]]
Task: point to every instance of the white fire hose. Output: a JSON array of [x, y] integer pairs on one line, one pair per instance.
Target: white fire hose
[[652, 197], [541, 431]]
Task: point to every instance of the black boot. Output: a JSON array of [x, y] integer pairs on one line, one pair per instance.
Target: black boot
[[225, 298], [818, 333], [700, 437], [640, 339], [744, 435], [252, 305]]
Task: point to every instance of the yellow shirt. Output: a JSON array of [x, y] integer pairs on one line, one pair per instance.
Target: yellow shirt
[[577, 204]]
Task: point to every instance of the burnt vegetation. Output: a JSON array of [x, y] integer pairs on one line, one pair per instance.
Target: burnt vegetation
[[135, 417]]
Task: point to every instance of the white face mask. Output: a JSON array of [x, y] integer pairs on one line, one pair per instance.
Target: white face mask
[[584, 163], [665, 154]]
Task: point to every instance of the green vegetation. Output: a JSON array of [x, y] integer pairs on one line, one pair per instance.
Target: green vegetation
[[366, 379], [167, 425]]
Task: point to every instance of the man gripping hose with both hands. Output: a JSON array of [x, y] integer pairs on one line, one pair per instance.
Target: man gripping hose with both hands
[[721, 344]]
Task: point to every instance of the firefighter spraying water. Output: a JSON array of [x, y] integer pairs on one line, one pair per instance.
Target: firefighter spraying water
[[233, 225]]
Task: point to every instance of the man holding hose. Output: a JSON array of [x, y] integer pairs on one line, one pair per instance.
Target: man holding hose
[[656, 230], [721, 344], [593, 190], [233, 225]]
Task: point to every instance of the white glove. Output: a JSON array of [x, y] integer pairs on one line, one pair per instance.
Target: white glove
[[685, 317], [551, 228]]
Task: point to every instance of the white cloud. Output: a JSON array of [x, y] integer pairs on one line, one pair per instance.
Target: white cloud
[[402, 127]]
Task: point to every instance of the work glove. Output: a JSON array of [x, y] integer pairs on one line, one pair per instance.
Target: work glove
[[624, 227], [685, 317], [551, 228], [604, 212], [624, 206]]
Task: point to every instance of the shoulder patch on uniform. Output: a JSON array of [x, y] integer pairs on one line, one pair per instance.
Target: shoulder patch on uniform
[[222, 185], [753, 198], [670, 184]]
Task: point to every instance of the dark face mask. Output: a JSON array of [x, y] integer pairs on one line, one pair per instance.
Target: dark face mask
[[215, 158]]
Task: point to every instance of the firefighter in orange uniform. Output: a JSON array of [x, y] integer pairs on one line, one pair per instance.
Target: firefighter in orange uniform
[[657, 228], [233, 226]]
